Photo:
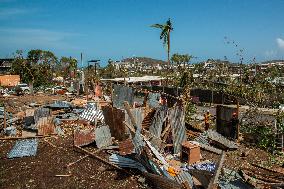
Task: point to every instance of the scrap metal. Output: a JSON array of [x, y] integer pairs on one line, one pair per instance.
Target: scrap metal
[[216, 137], [176, 118], [103, 136], [83, 137], [121, 94], [157, 122], [126, 147], [22, 148], [92, 113], [45, 126], [126, 162]]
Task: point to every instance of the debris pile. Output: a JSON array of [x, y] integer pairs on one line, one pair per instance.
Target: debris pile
[[151, 141]]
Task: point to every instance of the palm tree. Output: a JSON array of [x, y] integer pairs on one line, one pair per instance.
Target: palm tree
[[165, 35]]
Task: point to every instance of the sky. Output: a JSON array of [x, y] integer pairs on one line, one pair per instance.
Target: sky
[[116, 29]]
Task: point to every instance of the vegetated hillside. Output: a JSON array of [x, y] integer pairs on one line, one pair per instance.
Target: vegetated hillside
[[145, 60], [272, 61]]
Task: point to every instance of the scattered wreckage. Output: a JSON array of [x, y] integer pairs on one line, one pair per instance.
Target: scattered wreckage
[[151, 140]]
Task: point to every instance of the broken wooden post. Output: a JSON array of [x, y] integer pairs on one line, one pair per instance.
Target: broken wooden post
[[4, 117], [214, 180], [238, 126]]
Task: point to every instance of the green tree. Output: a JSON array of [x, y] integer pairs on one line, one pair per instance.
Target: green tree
[[165, 35]]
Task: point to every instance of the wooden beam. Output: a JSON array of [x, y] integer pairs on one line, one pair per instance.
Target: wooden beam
[[5, 117], [214, 180], [70, 164], [16, 138], [99, 158]]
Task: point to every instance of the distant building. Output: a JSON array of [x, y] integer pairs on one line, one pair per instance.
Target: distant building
[[5, 65]]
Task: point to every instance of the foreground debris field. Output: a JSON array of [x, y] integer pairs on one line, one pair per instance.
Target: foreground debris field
[[68, 142]]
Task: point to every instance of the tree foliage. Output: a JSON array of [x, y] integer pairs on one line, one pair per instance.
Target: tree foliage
[[165, 34]]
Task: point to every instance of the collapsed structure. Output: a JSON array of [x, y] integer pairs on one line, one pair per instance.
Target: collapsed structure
[[146, 134]]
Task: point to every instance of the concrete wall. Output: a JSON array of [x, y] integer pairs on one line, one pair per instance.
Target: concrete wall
[[9, 80]]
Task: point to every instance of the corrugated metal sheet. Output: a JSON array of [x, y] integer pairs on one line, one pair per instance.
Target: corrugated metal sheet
[[214, 136], [114, 118], [25, 147], [180, 178], [138, 114], [176, 118], [154, 100], [103, 136], [83, 137], [126, 162], [121, 94], [41, 112], [45, 126], [157, 122], [184, 176], [92, 113], [126, 147], [60, 105]]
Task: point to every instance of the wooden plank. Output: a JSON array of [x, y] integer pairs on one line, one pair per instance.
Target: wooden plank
[[5, 117], [100, 159], [16, 138], [214, 180], [70, 164]]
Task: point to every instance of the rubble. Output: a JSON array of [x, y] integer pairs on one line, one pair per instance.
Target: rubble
[[153, 142]]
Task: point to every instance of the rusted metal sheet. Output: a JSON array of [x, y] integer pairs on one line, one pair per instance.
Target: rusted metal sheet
[[114, 118], [41, 112], [45, 126], [126, 147], [176, 119], [84, 137]]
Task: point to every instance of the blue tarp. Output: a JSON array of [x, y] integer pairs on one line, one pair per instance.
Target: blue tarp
[[22, 148]]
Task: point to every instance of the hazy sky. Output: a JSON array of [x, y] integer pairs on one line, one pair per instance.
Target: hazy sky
[[103, 29]]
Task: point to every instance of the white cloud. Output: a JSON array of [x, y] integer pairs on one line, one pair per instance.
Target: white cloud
[[12, 11], [270, 54], [280, 43]]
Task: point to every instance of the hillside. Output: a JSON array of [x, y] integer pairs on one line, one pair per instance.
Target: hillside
[[146, 60]]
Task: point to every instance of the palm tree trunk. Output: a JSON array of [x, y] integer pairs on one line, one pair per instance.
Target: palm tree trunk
[[169, 45]]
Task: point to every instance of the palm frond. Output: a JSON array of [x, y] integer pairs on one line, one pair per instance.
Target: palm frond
[[157, 26]]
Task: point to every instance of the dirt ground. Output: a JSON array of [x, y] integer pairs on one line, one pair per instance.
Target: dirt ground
[[51, 159], [40, 171]]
